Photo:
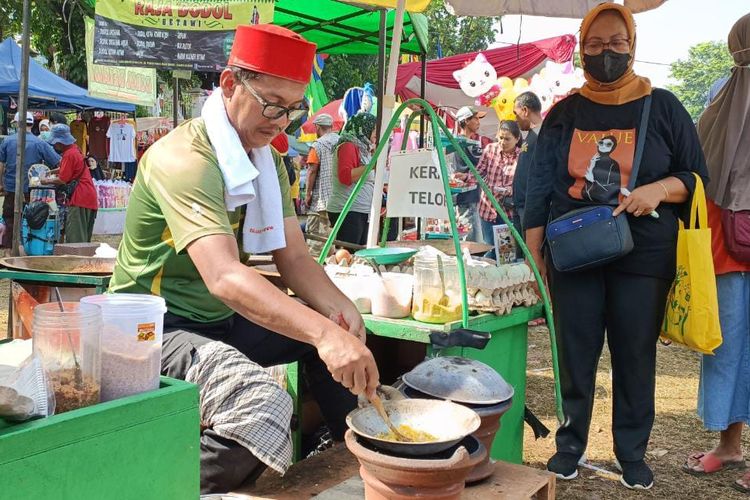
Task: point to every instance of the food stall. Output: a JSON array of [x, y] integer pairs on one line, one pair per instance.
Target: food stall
[[424, 291]]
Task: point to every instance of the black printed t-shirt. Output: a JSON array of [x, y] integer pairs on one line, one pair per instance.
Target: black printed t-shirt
[[584, 156]]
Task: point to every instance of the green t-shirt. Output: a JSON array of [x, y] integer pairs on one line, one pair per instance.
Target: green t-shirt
[[177, 198]]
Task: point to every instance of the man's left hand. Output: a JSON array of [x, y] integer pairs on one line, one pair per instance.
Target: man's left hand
[[350, 320]]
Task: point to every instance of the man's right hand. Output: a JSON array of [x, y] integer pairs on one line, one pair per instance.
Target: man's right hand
[[308, 200], [350, 362]]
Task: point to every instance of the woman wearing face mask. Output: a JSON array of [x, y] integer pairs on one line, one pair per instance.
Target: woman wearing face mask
[[497, 166], [584, 156], [44, 130]]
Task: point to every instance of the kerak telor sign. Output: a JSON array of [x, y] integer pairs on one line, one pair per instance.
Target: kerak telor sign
[[195, 35]]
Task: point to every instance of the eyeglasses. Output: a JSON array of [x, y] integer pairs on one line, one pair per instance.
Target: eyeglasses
[[596, 46], [276, 111]]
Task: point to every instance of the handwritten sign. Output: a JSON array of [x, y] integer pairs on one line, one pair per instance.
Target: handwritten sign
[[415, 186]]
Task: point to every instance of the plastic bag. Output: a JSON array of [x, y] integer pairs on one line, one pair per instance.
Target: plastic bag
[[25, 391]]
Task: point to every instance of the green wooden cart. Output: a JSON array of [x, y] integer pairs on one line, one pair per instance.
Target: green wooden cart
[[507, 349]]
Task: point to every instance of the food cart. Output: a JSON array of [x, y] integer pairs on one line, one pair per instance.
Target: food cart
[[507, 349]]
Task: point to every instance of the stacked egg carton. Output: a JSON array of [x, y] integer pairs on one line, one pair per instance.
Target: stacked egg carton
[[498, 289]]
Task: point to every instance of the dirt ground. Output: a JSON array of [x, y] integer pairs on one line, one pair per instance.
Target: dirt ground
[[677, 430]]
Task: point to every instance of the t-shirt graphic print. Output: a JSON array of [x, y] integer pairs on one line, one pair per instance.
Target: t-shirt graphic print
[[600, 163]]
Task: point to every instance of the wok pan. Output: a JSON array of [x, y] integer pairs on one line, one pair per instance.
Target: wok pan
[[448, 422]]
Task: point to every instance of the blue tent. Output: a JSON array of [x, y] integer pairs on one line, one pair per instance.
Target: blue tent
[[46, 89]]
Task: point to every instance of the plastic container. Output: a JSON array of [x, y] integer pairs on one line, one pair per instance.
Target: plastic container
[[355, 282], [131, 342], [69, 344], [391, 295], [431, 305]]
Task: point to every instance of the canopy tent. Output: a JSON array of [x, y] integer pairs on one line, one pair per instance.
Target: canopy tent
[[338, 28], [443, 91], [575, 9], [46, 89]]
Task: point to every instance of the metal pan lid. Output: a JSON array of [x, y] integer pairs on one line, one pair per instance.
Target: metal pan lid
[[459, 379]]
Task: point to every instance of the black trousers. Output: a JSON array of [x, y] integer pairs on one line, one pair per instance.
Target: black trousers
[[630, 309], [353, 229], [224, 463]]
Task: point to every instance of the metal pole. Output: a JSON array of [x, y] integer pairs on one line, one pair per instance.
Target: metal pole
[[381, 68], [389, 102], [422, 91], [23, 93], [175, 100]]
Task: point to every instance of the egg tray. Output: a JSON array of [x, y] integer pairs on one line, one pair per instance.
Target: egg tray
[[498, 289]]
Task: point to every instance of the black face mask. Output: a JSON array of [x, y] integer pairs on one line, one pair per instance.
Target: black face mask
[[607, 66]]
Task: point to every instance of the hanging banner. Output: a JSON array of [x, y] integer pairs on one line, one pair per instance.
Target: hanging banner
[[178, 34], [134, 85], [415, 186]]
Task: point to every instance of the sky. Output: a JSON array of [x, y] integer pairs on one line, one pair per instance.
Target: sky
[[664, 34]]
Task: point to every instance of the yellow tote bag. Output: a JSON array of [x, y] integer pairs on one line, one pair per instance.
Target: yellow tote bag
[[692, 313]]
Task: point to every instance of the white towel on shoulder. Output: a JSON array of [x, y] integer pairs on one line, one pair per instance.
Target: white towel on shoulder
[[249, 180]]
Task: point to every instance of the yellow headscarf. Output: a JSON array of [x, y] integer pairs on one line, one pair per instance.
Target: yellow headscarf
[[629, 87]]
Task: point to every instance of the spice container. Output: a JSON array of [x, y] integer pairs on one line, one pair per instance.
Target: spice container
[[437, 289], [391, 295], [131, 342], [69, 344]]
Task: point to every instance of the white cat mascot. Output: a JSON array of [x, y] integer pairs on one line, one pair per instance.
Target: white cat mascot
[[478, 79]]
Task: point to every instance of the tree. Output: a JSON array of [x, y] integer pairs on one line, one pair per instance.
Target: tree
[[59, 38], [706, 63], [454, 35]]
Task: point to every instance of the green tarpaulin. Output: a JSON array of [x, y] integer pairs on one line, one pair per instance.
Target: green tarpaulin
[[339, 28]]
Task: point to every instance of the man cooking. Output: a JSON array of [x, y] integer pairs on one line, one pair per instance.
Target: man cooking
[[205, 194]]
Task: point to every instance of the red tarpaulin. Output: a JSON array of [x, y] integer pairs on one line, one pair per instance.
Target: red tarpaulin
[[514, 61]]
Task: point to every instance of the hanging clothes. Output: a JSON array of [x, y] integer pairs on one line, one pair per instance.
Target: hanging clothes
[[97, 131], [79, 129], [121, 137]]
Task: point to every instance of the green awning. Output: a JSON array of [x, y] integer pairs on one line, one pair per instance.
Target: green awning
[[339, 28]]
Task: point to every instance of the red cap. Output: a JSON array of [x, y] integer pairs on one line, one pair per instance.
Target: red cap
[[281, 143], [273, 50]]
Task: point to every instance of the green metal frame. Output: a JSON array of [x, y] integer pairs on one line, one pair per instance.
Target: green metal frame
[[437, 126]]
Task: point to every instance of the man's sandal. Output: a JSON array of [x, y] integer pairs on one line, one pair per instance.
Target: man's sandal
[[711, 463]]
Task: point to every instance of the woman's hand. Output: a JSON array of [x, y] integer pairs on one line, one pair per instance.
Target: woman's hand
[[642, 201]]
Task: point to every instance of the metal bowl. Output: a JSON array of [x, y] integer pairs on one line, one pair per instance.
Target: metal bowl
[[459, 379], [448, 422]]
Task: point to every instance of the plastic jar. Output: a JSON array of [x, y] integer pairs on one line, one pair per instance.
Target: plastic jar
[[131, 342], [391, 295], [68, 342], [429, 305]]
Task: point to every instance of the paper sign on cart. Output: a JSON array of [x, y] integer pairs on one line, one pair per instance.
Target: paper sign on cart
[[415, 186]]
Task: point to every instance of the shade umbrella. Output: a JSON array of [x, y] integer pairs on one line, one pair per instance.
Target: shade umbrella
[[332, 108], [575, 9]]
